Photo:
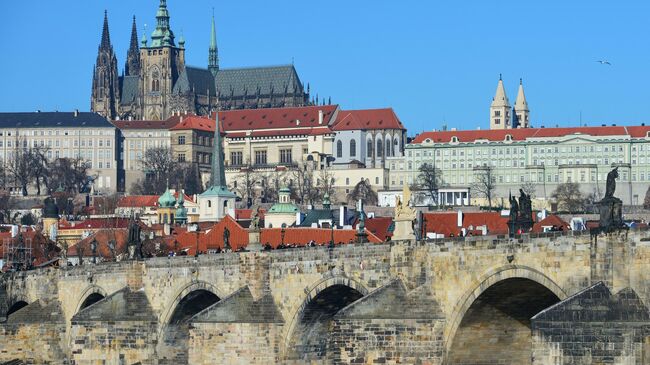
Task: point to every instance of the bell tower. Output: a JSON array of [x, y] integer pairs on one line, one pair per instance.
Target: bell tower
[[105, 92], [162, 61]]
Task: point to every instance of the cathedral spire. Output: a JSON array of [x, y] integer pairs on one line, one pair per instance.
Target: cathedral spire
[[521, 107], [106, 37], [213, 54], [500, 117], [133, 56], [162, 35]]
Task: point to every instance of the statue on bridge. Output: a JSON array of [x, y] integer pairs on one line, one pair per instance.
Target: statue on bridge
[[521, 214], [611, 207], [134, 242]]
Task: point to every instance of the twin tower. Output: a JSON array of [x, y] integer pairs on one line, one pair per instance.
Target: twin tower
[[503, 116]]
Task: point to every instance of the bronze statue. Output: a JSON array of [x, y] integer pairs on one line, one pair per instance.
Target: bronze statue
[[610, 188], [226, 239], [134, 241], [514, 208]]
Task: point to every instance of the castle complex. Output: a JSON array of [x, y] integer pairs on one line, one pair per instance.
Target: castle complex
[[156, 83]]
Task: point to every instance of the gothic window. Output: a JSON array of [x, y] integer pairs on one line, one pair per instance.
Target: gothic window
[[380, 148], [353, 148], [395, 147], [339, 149], [369, 148], [155, 82], [388, 154]]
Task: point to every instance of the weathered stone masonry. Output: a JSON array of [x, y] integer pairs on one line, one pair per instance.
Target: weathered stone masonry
[[405, 302]]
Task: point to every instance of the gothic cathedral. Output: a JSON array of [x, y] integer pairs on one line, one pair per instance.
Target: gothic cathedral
[[156, 83]]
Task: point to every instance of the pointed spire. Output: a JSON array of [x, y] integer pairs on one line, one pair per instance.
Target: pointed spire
[[213, 53], [521, 104], [218, 178], [106, 37], [500, 97], [163, 35], [133, 55]]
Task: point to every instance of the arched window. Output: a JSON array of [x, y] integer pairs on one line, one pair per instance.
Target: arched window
[[396, 147], [369, 148], [388, 153], [339, 149], [209, 203], [353, 148], [380, 148]]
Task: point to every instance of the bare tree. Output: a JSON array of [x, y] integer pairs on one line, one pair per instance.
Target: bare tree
[[71, 174], [158, 164], [302, 184], [430, 180], [363, 191], [20, 165], [40, 166], [271, 183], [7, 203], [484, 183], [529, 188], [325, 184], [569, 197], [245, 184]]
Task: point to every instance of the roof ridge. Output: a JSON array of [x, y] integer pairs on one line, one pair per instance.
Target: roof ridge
[[253, 67]]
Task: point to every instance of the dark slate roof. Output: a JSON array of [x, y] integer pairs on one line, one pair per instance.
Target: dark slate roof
[[197, 79], [53, 120], [241, 79], [130, 89], [315, 215]]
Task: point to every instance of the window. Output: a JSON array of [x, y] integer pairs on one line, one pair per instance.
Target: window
[[370, 148], [339, 149], [181, 139], [380, 148], [236, 158], [353, 148], [260, 157], [285, 155], [181, 157]]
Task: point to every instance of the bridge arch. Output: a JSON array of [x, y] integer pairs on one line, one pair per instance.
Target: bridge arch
[[196, 286], [509, 281], [320, 303], [90, 295], [16, 306]]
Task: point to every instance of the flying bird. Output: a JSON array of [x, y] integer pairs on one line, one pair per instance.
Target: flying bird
[[604, 62]]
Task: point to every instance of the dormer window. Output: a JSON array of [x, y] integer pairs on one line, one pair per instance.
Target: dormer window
[[508, 137], [428, 140], [454, 139]]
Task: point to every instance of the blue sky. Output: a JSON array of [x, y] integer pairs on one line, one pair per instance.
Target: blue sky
[[434, 62]]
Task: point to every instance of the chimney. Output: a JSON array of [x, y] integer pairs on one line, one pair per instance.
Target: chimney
[[298, 218], [320, 117], [459, 219], [342, 211]]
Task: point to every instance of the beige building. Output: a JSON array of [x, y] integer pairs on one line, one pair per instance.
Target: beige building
[[88, 136], [192, 140], [135, 138]]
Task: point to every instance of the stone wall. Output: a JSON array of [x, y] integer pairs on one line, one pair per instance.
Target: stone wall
[[33, 343]]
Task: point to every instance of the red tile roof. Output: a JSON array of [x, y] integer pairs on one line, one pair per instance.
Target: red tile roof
[[302, 236], [43, 250], [137, 201], [209, 239], [194, 122], [446, 223], [145, 124], [550, 221], [525, 133], [244, 214], [367, 119], [272, 118], [379, 226], [103, 236]]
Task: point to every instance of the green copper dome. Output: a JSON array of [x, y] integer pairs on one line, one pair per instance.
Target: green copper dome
[[181, 211], [167, 200], [283, 208]]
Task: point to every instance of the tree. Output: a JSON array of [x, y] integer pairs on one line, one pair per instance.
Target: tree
[[7, 203], [569, 197], [40, 167], [430, 180], [646, 200], [20, 165], [159, 166], [325, 184], [363, 191], [272, 182], [529, 188], [302, 184], [70, 174], [245, 184], [484, 183]]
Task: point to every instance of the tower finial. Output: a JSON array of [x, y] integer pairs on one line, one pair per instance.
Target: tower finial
[[106, 37], [521, 81], [213, 52], [500, 78]]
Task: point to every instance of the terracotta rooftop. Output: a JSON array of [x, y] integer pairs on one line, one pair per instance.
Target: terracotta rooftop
[[447, 223], [550, 221], [145, 124], [193, 122], [272, 118], [367, 119], [527, 133], [137, 201]]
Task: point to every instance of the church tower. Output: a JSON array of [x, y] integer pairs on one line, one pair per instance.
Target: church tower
[[162, 62], [105, 93], [522, 113], [500, 109], [213, 53], [132, 67]]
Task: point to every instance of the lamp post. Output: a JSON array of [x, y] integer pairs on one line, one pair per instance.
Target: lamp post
[[331, 229], [282, 232], [196, 230]]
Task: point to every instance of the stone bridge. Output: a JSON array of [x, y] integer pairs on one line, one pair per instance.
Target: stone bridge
[[533, 300]]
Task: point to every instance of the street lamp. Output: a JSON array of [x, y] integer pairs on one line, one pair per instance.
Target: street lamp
[[332, 229], [196, 230], [282, 232]]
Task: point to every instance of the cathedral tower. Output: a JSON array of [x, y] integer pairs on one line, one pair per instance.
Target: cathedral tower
[[500, 109], [213, 53], [522, 114], [105, 93], [132, 67], [162, 62]]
